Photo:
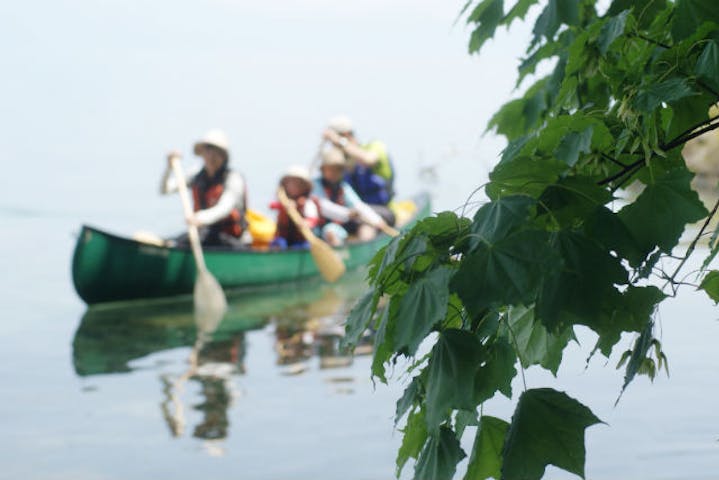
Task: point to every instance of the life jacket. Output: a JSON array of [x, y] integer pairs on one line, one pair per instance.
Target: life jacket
[[335, 194], [206, 192], [374, 185], [286, 228]]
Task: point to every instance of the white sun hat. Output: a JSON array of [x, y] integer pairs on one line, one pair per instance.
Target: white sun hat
[[216, 138], [333, 156], [297, 171], [340, 124]]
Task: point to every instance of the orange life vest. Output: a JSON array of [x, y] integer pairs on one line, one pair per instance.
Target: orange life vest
[[207, 192], [335, 196], [286, 228]]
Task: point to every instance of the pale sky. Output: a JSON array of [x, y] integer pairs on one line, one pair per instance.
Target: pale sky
[[95, 92]]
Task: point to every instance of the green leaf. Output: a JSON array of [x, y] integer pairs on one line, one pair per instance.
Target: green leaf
[[707, 67], [497, 372], [690, 14], [464, 419], [494, 220], [384, 257], [639, 354], [607, 228], [421, 307], [547, 428], [537, 345], [451, 371], [687, 113], [710, 284], [383, 340], [659, 215], [507, 272], [519, 10], [440, 456], [359, 319], [645, 11], [629, 312], [651, 97], [573, 144], [585, 279], [487, 14], [409, 398], [554, 14], [569, 201], [486, 458], [414, 437], [443, 229], [524, 176], [612, 30]]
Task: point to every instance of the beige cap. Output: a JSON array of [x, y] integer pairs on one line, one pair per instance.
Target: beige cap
[[215, 138], [340, 124], [333, 156], [297, 171]]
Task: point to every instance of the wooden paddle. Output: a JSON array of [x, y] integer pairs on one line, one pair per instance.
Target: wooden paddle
[[392, 232], [328, 262], [208, 295]]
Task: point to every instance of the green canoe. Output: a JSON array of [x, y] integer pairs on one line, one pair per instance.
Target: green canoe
[[110, 268]]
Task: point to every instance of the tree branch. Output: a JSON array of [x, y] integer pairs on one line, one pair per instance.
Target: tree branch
[[613, 160], [650, 40], [691, 132], [692, 245], [624, 171]]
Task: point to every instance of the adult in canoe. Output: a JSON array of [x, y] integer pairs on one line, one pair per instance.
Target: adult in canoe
[[218, 192], [342, 212], [370, 171]]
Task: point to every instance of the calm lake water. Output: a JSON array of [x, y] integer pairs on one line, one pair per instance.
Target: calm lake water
[[97, 92]]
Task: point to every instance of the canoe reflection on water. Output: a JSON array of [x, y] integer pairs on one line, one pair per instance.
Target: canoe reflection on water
[[306, 320]]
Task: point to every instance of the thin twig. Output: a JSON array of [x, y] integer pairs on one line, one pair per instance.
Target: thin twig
[[692, 245], [613, 160]]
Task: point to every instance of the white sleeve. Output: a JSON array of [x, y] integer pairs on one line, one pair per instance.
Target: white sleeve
[[333, 211], [231, 197], [310, 211], [168, 182], [368, 215]]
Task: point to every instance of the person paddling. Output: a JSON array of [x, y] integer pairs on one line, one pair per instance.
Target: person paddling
[[297, 185], [342, 212], [370, 171], [219, 194]]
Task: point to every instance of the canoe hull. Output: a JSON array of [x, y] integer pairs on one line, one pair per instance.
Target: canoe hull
[[109, 268]]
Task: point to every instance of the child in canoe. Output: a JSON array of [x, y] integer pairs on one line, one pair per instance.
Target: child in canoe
[[297, 185]]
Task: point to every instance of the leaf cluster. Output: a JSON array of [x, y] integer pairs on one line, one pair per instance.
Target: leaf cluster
[[559, 244]]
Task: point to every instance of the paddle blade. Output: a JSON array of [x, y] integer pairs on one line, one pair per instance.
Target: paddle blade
[[328, 262], [210, 300]]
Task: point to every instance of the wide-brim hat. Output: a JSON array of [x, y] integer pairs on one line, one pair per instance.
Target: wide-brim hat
[[298, 172], [333, 156], [214, 138], [341, 124]]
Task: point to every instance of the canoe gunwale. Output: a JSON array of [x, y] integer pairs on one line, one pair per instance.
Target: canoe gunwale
[[117, 269]]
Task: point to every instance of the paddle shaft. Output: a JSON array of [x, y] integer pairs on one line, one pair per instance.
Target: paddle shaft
[[192, 233], [295, 216]]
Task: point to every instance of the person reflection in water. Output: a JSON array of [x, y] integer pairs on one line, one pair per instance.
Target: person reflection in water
[[316, 329], [212, 365]]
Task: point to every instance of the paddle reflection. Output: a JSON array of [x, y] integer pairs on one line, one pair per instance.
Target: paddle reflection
[[305, 323]]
